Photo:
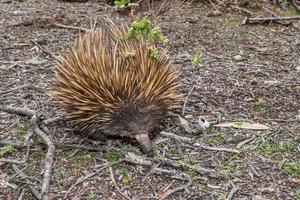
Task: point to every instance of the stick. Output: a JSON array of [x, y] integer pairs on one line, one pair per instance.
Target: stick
[[49, 158], [175, 190], [116, 185], [44, 50], [18, 110], [268, 19], [217, 148], [71, 27], [82, 179], [189, 141], [233, 190], [170, 173], [17, 162], [32, 189], [176, 137], [187, 97]]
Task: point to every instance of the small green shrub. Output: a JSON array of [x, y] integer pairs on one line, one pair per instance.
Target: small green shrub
[[7, 149], [121, 3], [154, 36]]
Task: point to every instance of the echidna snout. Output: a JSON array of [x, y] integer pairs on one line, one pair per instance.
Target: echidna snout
[[145, 143]]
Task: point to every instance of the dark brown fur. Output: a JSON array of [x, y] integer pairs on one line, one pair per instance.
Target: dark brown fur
[[100, 91]]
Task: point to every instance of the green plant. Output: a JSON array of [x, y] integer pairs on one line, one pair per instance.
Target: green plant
[[154, 36], [7, 149], [125, 178], [130, 148], [121, 3], [22, 130], [197, 61], [78, 158], [269, 146], [292, 169], [92, 195], [112, 156]]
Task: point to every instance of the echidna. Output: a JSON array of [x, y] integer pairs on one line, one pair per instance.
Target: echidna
[[101, 90]]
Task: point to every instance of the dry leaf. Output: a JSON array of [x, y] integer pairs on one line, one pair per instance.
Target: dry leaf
[[185, 124]]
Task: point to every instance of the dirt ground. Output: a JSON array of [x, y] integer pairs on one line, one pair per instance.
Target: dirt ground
[[229, 71]]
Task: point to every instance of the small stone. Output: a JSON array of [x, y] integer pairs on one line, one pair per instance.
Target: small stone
[[238, 58], [298, 68]]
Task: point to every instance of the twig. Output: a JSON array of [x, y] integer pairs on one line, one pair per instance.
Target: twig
[[254, 170], [217, 148], [233, 190], [32, 189], [22, 175], [176, 137], [51, 120], [18, 110], [12, 161], [44, 50], [13, 89], [187, 97], [29, 135], [140, 160], [82, 179], [242, 143], [49, 157], [71, 27], [116, 185], [17, 145], [175, 190], [268, 19], [170, 173], [197, 169], [189, 140]]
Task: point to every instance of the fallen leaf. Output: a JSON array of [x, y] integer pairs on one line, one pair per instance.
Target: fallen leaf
[[185, 124]]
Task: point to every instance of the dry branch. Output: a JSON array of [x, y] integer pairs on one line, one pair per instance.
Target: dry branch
[[18, 110], [49, 157], [175, 190], [170, 173], [189, 141], [268, 19], [231, 193], [116, 185], [32, 189], [82, 179], [17, 162], [71, 27]]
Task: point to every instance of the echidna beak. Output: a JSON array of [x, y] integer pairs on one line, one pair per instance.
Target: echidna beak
[[145, 143]]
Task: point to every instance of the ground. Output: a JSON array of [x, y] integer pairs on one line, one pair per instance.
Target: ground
[[229, 71]]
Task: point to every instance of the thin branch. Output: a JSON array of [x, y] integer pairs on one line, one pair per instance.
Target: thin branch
[[49, 157], [116, 185], [217, 148], [18, 110], [268, 19], [189, 141], [176, 137], [233, 190], [71, 27], [17, 162], [175, 190]]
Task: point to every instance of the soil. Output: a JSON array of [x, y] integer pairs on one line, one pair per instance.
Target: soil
[[229, 72]]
